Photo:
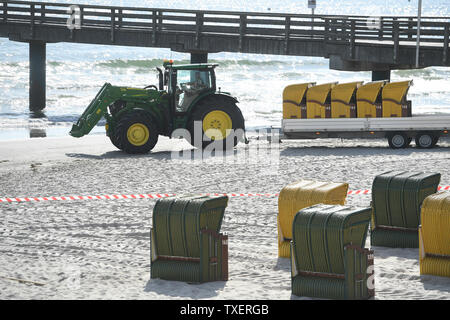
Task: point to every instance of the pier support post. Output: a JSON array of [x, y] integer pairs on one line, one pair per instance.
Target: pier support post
[[37, 75], [199, 57], [381, 75]]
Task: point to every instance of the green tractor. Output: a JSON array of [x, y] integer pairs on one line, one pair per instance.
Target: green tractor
[[187, 98]]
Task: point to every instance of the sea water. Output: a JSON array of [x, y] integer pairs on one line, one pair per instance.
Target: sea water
[[75, 72]]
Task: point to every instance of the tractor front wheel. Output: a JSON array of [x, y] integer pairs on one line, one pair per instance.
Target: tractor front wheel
[[136, 133], [113, 137], [218, 120]]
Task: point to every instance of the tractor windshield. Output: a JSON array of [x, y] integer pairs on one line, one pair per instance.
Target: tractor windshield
[[190, 83]]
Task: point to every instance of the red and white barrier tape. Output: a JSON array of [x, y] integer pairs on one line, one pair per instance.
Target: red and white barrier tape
[[161, 195], [103, 197]]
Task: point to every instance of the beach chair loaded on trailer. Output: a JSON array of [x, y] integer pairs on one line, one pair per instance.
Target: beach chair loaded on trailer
[[378, 109]]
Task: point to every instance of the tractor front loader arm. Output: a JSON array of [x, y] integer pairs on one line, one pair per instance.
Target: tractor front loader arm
[[94, 112]]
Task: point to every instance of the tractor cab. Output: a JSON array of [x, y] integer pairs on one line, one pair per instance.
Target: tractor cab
[[186, 84]]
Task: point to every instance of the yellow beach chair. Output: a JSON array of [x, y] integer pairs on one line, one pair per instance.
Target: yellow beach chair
[[434, 235], [294, 100], [395, 103], [343, 100], [369, 100], [299, 195], [318, 101]]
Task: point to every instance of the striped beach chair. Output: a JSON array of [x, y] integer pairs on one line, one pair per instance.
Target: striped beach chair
[[396, 200], [185, 241], [328, 258], [434, 235]]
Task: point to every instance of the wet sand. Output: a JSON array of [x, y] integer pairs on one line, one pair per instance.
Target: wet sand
[[99, 249]]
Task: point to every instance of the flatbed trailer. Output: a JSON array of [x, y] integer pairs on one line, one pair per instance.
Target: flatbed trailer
[[399, 131]]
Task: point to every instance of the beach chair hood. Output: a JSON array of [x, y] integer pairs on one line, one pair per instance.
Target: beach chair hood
[[344, 92], [320, 93]]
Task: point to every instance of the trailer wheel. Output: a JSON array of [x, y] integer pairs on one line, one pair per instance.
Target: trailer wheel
[[426, 140], [435, 140], [398, 140]]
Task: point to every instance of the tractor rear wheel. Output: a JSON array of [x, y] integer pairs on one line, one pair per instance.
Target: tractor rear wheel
[[219, 119], [136, 133]]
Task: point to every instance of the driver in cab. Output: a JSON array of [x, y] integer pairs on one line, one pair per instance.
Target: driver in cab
[[190, 90], [195, 86]]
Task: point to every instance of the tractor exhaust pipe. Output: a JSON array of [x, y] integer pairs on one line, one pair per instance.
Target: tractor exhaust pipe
[[161, 79]]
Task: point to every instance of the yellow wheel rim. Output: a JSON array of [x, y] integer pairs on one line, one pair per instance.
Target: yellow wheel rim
[[138, 134], [217, 125]]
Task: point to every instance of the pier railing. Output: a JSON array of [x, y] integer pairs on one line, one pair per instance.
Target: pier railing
[[328, 28]]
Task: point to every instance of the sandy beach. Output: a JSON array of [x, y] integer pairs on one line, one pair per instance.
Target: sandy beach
[[99, 249]]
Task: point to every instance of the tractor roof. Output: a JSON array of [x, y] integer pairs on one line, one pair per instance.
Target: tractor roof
[[196, 66]]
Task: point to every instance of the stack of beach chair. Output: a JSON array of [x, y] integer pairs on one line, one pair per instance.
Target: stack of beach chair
[[347, 100], [325, 241]]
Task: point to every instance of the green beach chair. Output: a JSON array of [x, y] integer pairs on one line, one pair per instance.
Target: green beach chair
[[185, 241], [396, 200], [328, 258]]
